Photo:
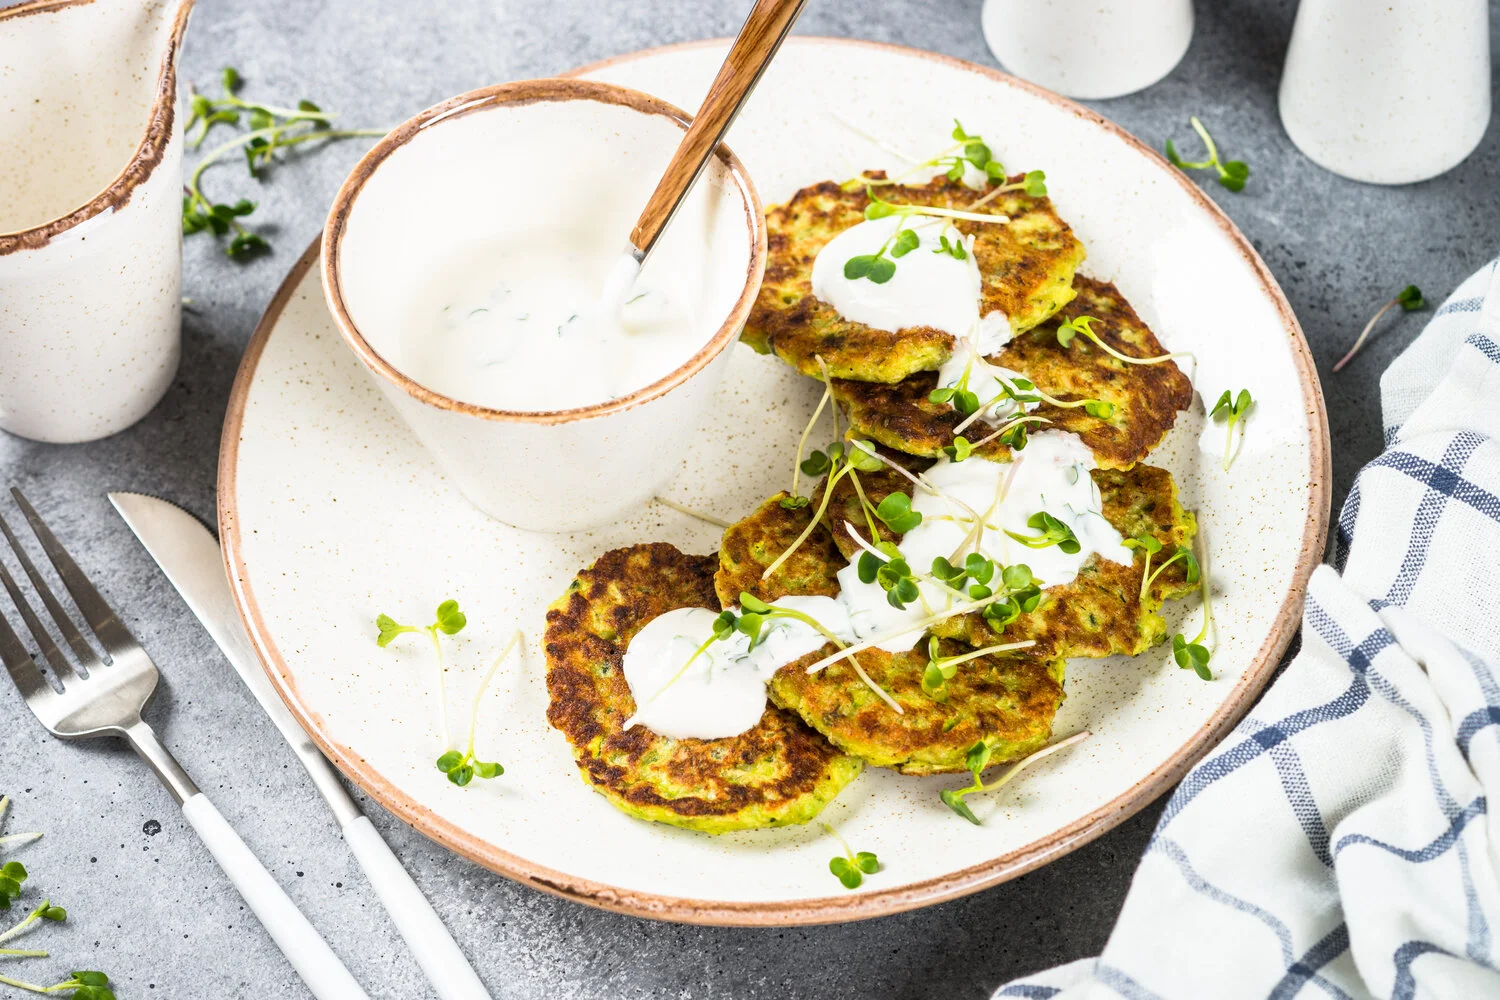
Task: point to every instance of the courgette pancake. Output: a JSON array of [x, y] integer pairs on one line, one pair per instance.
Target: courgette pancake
[[1006, 701], [1143, 399], [1024, 274], [778, 772]]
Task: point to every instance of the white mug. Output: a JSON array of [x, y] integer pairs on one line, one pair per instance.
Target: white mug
[[1388, 93], [517, 157], [1089, 48], [90, 214]]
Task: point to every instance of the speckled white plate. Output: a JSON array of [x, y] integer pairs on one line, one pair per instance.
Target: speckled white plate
[[331, 513]]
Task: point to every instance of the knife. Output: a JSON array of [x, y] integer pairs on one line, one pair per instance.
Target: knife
[[189, 555]]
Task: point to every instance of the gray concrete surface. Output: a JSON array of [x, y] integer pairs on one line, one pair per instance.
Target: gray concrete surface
[[147, 907]]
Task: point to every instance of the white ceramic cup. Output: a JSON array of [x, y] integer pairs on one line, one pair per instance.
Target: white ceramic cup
[[1388, 93], [512, 158], [90, 214], [1091, 49]]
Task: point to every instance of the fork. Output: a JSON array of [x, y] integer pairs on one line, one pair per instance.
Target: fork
[[105, 698]]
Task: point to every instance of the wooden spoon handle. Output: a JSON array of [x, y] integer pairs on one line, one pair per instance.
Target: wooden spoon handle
[[764, 30]]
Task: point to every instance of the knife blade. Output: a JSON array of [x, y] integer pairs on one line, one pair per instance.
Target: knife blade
[[189, 555]]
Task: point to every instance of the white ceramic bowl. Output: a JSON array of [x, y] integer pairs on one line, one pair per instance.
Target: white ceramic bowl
[[509, 159]]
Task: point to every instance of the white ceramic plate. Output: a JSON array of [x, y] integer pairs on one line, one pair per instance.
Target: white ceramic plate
[[331, 513]]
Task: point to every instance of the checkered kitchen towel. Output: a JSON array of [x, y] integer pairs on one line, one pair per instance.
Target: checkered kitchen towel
[[1339, 843]]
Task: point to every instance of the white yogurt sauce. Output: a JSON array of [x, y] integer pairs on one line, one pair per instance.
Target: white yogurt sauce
[[524, 327], [722, 693], [930, 288]]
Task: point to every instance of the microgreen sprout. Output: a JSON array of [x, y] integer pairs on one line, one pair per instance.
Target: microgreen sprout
[[270, 128], [1051, 532], [1232, 411], [1409, 299], [851, 868], [448, 620], [955, 162], [953, 248], [1012, 434], [877, 267], [879, 208], [1232, 174], [1019, 390], [978, 758], [942, 669], [42, 911], [1084, 325], [1191, 654], [1034, 184], [683, 508], [461, 768], [83, 986]]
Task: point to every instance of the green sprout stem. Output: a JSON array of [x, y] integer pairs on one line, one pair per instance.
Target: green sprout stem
[[920, 626], [852, 868], [807, 431], [980, 788], [1006, 427], [682, 508], [1233, 408], [1148, 578], [932, 211], [1084, 325], [1409, 298], [1232, 174]]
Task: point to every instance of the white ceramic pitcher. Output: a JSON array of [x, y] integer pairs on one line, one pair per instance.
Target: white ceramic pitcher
[[90, 214], [1388, 93]]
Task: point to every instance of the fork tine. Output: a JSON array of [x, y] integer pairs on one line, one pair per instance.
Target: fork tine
[[23, 669], [81, 647], [96, 610], [60, 665]]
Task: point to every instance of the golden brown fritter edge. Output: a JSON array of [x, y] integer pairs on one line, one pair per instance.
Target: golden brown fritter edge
[[1147, 398], [1026, 268], [776, 774]]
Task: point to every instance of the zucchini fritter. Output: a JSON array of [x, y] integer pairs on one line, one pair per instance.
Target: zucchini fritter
[[1101, 612], [1007, 701], [754, 543], [1146, 397], [776, 774], [1026, 267]]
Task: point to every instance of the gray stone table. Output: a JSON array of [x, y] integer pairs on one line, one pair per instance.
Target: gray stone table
[[149, 908]]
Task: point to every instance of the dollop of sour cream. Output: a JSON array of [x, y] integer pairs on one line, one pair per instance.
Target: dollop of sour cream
[[495, 318], [722, 693], [930, 287]]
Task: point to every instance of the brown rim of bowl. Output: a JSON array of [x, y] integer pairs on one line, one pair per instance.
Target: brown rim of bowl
[[552, 89], [142, 163], [834, 908]]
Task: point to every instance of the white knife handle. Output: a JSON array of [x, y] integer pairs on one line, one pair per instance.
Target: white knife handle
[[298, 940], [436, 952]]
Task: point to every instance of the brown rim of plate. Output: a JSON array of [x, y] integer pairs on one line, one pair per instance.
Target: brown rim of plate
[[553, 89], [142, 162], [855, 906]]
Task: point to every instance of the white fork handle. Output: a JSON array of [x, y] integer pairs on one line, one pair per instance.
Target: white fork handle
[[446, 967], [298, 940]]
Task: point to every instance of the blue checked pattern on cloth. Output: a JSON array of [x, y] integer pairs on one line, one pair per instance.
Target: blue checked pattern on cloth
[[1338, 843]]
